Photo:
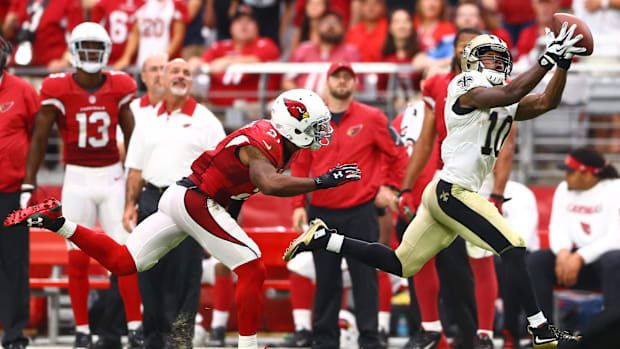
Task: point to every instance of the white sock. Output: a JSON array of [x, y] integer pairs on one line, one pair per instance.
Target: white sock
[[537, 319], [219, 319], [486, 333], [83, 329], [384, 321], [302, 318], [133, 325], [67, 229], [433, 326], [248, 342], [334, 244]]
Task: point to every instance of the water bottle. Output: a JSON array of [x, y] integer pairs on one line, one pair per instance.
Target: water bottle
[[402, 326]]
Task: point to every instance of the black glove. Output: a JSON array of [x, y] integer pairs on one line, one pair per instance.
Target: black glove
[[338, 176]]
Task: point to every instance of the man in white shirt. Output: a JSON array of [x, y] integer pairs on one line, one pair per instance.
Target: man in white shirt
[[584, 232], [169, 137]]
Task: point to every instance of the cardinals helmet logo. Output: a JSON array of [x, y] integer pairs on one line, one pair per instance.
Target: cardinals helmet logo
[[296, 109]]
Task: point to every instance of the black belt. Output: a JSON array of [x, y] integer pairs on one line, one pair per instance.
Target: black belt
[[151, 186]]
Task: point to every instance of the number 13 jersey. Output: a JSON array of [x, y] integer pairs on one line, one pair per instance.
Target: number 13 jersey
[[87, 121], [475, 136]]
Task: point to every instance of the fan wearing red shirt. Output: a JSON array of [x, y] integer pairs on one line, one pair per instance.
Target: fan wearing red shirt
[[87, 107], [544, 10], [117, 17], [160, 27], [435, 35], [369, 34], [245, 46], [471, 15], [516, 15], [49, 45]]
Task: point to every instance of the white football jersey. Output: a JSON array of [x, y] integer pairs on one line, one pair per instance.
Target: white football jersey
[[475, 136]]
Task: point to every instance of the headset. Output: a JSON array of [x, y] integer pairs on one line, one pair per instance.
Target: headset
[[6, 49]]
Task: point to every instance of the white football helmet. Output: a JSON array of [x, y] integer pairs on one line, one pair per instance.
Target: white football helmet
[[478, 49], [302, 117], [81, 57]]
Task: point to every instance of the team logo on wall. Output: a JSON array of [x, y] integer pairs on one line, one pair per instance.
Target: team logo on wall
[[354, 130], [296, 109], [6, 106]]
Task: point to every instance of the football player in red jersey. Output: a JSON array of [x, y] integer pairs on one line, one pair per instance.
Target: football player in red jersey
[[249, 160], [118, 17], [87, 106]]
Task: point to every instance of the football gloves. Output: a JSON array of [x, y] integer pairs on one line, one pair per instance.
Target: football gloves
[[338, 176], [561, 48], [406, 207]]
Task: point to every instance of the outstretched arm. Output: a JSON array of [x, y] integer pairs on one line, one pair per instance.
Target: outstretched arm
[[534, 105], [43, 123]]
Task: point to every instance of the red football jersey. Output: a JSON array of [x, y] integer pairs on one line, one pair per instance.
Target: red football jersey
[[58, 19], [117, 16], [87, 121], [221, 175]]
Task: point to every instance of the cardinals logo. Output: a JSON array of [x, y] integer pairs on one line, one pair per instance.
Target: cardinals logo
[[6, 106], [586, 228], [296, 109], [354, 130]]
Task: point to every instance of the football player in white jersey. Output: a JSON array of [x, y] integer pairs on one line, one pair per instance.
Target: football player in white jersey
[[479, 111]]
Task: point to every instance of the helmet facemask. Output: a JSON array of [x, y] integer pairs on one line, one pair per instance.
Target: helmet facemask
[[500, 64], [322, 132], [88, 56]]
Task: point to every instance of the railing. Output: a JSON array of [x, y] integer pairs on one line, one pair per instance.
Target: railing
[[592, 89]]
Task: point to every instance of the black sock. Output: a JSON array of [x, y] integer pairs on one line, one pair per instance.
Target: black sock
[[56, 224], [518, 279], [374, 254]]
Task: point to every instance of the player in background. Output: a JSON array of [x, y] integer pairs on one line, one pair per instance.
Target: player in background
[[87, 106], [480, 108], [118, 18], [249, 160]]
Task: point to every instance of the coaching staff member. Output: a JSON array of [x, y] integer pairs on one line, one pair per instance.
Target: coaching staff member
[[161, 151], [361, 135], [19, 102]]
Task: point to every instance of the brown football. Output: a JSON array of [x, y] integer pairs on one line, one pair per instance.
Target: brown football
[[582, 29]]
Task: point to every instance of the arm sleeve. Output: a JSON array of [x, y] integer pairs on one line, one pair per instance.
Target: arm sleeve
[[301, 168], [215, 133], [394, 150], [558, 231], [611, 238]]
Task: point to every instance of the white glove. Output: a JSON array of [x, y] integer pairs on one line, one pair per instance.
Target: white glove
[[26, 195], [561, 48]]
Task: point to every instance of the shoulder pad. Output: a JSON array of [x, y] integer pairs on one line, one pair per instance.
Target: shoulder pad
[[55, 85]]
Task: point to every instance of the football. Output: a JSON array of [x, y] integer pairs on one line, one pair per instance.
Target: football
[[582, 28]]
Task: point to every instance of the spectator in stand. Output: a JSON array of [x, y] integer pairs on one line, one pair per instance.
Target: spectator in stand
[[40, 31], [194, 43], [583, 232], [362, 133], [330, 48], [160, 28], [246, 46], [603, 18], [307, 29], [19, 102], [400, 47], [469, 14], [435, 34], [369, 34], [544, 10], [347, 9], [516, 16], [117, 17]]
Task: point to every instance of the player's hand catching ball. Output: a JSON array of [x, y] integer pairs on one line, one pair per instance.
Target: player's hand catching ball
[[561, 48], [338, 176]]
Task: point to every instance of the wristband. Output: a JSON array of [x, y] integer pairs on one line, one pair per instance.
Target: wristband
[[499, 197], [27, 187], [400, 193], [546, 61]]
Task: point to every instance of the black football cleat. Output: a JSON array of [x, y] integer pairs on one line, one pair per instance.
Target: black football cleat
[[46, 214], [314, 238], [82, 340], [549, 337]]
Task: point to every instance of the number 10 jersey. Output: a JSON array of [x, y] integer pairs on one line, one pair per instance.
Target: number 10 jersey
[[87, 120], [475, 136]]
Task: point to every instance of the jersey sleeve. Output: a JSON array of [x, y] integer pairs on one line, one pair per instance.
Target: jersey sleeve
[[214, 132], [136, 151], [466, 82], [267, 50], [52, 88], [427, 92], [126, 87], [180, 12]]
